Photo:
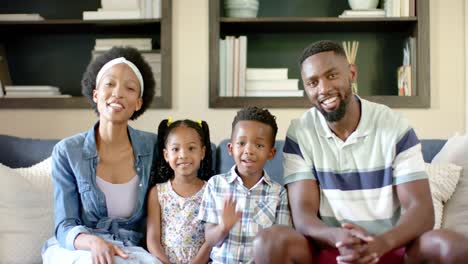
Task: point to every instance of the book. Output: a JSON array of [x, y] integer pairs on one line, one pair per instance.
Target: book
[[275, 93], [363, 13], [120, 4], [405, 8], [111, 14], [266, 73], [156, 8], [405, 85], [412, 8], [242, 64], [5, 78], [264, 85], [31, 88], [222, 67], [21, 17], [26, 95], [229, 65], [142, 44], [235, 72]]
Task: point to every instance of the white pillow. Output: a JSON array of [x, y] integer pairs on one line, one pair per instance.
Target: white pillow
[[443, 179], [27, 218], [39, 175], [455, 215]]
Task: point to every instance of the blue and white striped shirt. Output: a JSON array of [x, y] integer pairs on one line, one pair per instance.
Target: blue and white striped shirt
[[356, 177]]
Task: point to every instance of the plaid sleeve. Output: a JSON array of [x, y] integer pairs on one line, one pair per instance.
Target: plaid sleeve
[[283, 215], [208, 212]]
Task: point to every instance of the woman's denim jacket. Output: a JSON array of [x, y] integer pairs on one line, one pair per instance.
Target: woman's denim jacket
[[80, 206]]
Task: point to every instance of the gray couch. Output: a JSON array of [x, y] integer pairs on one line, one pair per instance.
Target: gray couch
[[35, 208], [18, 152]]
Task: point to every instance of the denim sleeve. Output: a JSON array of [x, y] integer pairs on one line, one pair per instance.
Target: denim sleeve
[[66, 200]]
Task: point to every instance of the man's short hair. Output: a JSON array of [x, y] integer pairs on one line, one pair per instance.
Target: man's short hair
[[321, 46]]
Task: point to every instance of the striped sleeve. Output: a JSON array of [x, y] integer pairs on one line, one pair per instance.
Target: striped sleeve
[[295, 165], [408, 164]]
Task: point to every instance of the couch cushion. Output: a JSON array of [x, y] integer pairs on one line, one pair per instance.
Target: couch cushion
[[456, 210], [443, 179], [273, 167], [23, 152], [27, 218], [430, 147]]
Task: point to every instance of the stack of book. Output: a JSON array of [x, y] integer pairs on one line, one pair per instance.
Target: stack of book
[[232, 65], [400, 8], [271, 82], [125, 9], [21, 17], [32, 91], [363, 13], [141, 44], [153, 57], [235, 79]]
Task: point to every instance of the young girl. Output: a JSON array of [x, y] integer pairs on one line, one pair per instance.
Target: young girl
[[183, 165]]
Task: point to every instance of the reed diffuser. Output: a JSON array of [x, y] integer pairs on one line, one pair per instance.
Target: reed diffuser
[[351, 49]]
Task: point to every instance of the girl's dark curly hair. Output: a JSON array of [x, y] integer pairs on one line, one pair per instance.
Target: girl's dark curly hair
[[162, 171], [88, 82]]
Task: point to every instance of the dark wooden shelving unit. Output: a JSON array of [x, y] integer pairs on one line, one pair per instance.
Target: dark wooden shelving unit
[[57, 50], [277, 36]]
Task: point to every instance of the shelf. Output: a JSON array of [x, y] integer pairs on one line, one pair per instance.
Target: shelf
[[59, 26], [58, 103], [303, 102], [316, 24], [57, 50], [277, 36]]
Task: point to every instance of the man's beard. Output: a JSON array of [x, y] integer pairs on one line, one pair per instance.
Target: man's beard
[[339, 113]]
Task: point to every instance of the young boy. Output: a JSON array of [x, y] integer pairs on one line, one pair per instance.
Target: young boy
[[240, 203]]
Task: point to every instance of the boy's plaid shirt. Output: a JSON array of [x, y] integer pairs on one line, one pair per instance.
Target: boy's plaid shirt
[[264, 205]]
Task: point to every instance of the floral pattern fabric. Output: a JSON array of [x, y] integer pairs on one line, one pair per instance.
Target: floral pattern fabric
[[182, 235]]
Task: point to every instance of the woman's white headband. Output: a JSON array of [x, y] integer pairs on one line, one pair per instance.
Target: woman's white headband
[[130, 64]]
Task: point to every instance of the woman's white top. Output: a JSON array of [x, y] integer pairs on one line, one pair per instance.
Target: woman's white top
[[120, 197]]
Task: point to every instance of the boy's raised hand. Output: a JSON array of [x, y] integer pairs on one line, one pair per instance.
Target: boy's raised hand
[[229, 216]]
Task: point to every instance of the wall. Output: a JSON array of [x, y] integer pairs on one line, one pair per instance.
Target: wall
[[190, 83]]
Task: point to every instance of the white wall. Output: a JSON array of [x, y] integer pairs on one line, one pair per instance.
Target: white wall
[[190, 83]]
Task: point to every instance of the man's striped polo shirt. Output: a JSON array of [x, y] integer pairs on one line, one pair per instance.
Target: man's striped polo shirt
[[356, 177]]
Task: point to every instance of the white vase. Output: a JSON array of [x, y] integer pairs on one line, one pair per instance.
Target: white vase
[[363, 4], [241, 8]]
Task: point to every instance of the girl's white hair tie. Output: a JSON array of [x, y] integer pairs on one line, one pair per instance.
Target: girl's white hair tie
[[119, 60]]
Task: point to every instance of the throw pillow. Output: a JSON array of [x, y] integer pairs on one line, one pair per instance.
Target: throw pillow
[[443, 179], [39, 175], [455, 215], [27, 218]]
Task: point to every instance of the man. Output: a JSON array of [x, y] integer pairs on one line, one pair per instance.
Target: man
[[355, 177]]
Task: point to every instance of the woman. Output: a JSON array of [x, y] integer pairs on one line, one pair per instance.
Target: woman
[[101, 176]]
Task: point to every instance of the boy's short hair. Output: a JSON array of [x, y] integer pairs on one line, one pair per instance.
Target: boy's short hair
[[253, 113], [319, 47]]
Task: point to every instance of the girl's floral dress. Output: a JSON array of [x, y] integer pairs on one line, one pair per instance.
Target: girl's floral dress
[[181, 234]]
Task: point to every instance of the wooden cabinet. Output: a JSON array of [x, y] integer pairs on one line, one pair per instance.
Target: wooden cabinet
[[57, 50], [276, 38]]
